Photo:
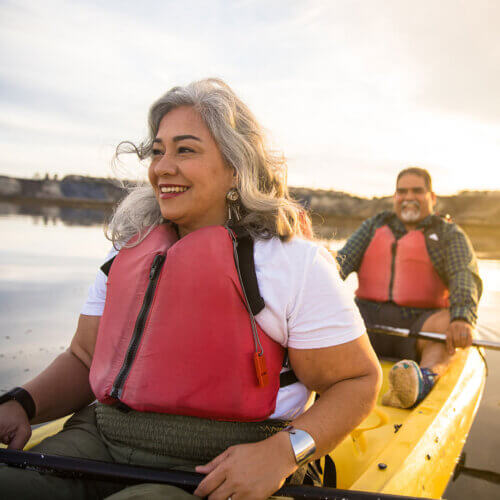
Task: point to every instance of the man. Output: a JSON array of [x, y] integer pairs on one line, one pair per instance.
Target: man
[[418, 271]]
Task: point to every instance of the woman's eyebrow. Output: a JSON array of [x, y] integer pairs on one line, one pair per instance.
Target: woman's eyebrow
[[178, 138]]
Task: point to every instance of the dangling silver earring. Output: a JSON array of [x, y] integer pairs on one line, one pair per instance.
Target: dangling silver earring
[[233, 212]]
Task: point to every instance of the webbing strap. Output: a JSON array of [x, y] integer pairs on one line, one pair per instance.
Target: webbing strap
[[247, 269], [251, 287], [190, 438], [106, 267]]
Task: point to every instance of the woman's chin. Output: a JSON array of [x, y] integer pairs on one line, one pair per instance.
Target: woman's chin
[[170, 217]]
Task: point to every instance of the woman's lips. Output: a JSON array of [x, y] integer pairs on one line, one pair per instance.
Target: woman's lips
[[171, 191], [166, 196]]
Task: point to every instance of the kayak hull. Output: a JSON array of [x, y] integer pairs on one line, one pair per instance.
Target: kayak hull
[[414, 452]]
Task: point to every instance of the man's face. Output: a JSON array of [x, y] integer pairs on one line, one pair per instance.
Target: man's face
[[413, 202]]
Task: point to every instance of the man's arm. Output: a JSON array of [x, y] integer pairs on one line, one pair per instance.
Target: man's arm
[[464, 283], [349, 257]]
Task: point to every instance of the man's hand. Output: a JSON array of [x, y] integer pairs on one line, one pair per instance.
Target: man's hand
[[15, 429], [458, 334]]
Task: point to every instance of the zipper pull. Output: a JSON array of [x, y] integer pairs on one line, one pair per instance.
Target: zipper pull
[[260, 368], [156, 265]]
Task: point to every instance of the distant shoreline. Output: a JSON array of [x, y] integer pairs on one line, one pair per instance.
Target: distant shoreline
[[472, 208], [90, 201]]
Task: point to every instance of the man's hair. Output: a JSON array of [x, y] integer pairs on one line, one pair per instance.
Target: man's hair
[[420, 172]]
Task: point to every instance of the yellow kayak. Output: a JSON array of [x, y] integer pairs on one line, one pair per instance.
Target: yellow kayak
[[402, 452], [414, 452]]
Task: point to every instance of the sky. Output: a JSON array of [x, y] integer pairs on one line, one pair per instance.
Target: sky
[[351, 91]]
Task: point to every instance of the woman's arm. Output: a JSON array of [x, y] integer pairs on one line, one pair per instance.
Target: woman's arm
[[348, 377], [62, 388]]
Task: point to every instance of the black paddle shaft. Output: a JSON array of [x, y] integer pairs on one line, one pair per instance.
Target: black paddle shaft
[[437, 337], [81, 468]]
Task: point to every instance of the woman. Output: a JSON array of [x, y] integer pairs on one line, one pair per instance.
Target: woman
[[176, 336]]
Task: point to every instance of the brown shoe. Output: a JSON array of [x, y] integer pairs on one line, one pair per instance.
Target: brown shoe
[[405, 385]]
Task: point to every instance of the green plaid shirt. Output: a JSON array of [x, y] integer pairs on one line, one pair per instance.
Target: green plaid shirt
[[450, 251]]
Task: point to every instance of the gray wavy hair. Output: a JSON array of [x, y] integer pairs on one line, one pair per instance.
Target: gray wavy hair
[[265, 206]]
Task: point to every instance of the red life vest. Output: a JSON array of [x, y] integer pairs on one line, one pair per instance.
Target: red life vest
[[401, 271], [177, 338]]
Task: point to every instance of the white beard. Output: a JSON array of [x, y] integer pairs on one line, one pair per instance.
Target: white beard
[[408, 212]]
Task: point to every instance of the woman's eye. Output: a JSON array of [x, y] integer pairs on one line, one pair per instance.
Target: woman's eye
[[157, 152], [185, 149]]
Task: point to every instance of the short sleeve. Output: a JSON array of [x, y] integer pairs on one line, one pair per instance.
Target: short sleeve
[[324, 313], [96, 297]]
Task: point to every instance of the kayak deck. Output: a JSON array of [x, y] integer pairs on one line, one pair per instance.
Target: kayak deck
[[395, 451], [414, 452]]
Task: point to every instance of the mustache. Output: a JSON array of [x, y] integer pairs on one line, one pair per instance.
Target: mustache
[[410, 203]]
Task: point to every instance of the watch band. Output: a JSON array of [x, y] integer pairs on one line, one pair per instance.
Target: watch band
[[303, 444], [23, 397]]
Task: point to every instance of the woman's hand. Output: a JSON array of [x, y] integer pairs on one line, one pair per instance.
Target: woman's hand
[[248, 471], [15, 429]]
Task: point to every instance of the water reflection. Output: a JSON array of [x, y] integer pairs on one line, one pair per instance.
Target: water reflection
[[49, 256], [43, 213], [485, 238]]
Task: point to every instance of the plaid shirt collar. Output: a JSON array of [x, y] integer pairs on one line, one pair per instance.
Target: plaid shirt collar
[[398, 228]]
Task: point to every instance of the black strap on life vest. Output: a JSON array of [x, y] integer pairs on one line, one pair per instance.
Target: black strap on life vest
[[247, 269], [251, 287], [106, 267]]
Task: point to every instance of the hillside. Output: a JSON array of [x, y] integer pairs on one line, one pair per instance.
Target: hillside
[[467, 207]]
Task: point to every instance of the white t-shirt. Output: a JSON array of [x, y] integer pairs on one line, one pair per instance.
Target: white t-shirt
[[307, 305]]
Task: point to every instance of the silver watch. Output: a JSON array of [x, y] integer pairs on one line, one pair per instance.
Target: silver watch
[[303, 444]]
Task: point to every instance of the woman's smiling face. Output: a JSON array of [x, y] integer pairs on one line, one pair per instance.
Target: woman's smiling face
[[188, 174]]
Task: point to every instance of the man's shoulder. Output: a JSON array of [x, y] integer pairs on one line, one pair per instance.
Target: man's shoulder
[[445, 224], [381, 218], [386, 218], [370, 225], [447, 230]]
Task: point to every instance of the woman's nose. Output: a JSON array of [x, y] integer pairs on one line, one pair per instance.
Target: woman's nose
[[166, 166]]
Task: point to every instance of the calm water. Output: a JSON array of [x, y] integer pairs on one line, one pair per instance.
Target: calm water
[[47, 264]]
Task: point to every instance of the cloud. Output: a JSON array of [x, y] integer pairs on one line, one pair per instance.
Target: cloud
[[349, 89]]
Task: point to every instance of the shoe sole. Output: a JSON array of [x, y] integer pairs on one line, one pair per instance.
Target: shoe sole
[[404, 383]]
